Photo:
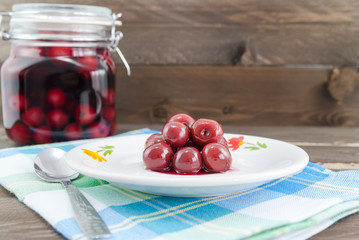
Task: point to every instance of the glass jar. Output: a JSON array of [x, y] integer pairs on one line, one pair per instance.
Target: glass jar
[[58, 82]]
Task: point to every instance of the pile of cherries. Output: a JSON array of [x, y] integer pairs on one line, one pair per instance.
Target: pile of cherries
[[186, 146], [58, 93]]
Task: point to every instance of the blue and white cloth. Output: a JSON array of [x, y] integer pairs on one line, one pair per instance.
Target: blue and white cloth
[[292, 207]]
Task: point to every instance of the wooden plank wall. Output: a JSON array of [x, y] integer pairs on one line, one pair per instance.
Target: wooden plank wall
[[242, 62]]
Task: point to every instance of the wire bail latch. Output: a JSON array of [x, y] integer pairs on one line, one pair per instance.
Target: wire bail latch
[[3, 34], [115, 38]]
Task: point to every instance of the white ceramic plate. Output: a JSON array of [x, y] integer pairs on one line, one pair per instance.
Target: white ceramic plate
[[256, 161]]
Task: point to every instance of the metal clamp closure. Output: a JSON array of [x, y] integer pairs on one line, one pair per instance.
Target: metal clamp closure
[[3, 33], [115, 38]]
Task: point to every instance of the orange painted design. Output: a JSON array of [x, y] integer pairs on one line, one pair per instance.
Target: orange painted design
[[235, 142], [94, 155]]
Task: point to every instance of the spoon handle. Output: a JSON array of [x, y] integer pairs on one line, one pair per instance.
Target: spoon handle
[[87, 217]]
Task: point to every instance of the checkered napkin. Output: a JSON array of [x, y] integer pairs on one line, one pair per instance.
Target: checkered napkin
[[292, 207]]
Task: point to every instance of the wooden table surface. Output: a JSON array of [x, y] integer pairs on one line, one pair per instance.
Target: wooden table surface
[[334, 148]]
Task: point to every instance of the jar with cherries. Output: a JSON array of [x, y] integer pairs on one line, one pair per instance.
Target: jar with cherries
[[58, 82]]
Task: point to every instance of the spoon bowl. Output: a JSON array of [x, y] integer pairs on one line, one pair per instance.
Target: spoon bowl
[[51, 166]]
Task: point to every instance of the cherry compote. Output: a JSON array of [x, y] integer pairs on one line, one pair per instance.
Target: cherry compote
[[176, 134], [216, 157], [197, 147], [187, 160], [158, 157], [58, 93], [206, 131], [154, 138], [182, 118]]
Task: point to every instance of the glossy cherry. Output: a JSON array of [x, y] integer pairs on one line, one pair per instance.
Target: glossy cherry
[[31, 51], [33, 116], [153, 139], [110, 63], [57, 118], [88, 62], [157, 157], [98, 130], [113, 128], [176, 134], [20, 133], [216, 158], [42, 134], [182, 118], [109, 96], [73, 131], [187, 160], [204, 131], [108, 113], [224, 142], [85, 114], [60, 52], [56, 97]]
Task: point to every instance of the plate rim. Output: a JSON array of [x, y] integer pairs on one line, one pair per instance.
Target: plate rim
[[173, 180]]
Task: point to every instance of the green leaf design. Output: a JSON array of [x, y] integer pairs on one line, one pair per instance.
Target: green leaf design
[[252, 148], [108, 152], [107, 147], [262, 145]]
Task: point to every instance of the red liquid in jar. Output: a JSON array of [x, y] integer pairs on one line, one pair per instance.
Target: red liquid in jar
[[54, 94]]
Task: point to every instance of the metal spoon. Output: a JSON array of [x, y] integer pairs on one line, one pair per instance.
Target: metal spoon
[[51, 166]]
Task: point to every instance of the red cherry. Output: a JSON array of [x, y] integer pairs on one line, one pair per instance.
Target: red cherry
[[153, 139], [182, 118], [73, 131], [157, 157], [60, 52], [33, 116], [88, 62], [224, 142], [98, 130], [42, 134], [204, 131], [56, 97], [86, 65], [176, 134], [108, 113], [17, 102], [109, 96], [187, 160], [30, 51], [216, 158], [113, 128], [57, 118], [110, 63], [20, 133], [85, 114]]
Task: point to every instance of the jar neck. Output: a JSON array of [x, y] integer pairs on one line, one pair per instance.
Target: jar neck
[[45, 51], [61, 22], [58, 43]]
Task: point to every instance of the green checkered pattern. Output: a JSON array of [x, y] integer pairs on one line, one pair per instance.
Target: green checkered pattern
[[293, 207]]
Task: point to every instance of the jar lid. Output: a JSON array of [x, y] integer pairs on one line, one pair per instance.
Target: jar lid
[[63, 22]]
